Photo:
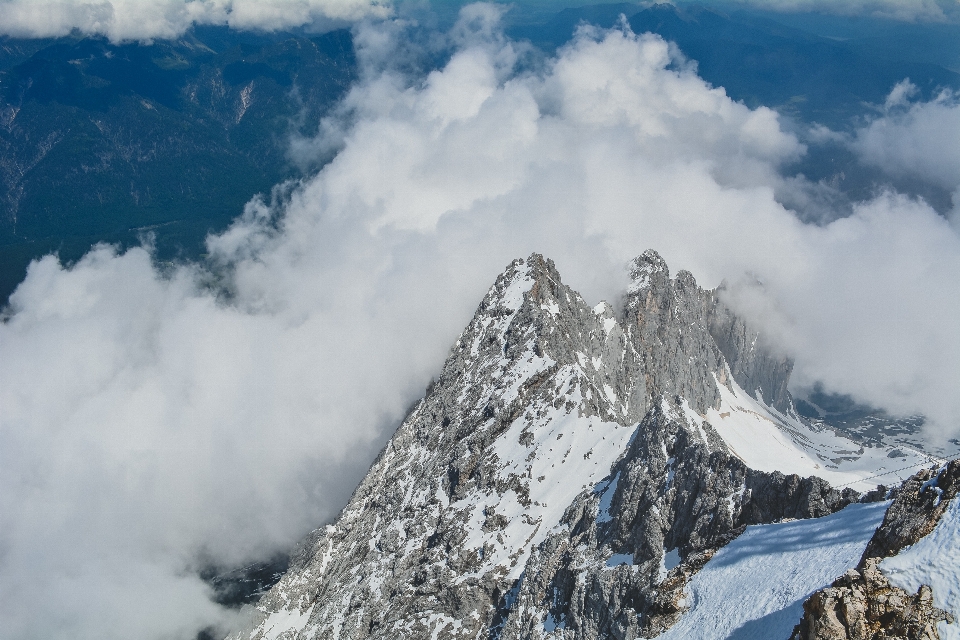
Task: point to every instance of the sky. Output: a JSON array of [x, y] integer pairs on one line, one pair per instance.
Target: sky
[[158, 418]]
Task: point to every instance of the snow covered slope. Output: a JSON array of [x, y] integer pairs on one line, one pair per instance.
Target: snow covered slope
[[566, 475], [754, 588], [768, 440], [907, 582]]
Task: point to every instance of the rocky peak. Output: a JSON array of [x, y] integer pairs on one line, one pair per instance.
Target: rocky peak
[[647, 271], [669, 329], [561, 475]]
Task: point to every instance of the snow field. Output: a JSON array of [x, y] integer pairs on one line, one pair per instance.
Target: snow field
[[766, 440], [754, 588], [567, 454]]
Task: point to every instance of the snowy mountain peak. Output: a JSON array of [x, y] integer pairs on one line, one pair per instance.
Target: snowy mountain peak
[[569, 470], [647, 270]]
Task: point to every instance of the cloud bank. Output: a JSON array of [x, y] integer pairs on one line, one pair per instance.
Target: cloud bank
[[153, 419], [121, 20], [916, 140]]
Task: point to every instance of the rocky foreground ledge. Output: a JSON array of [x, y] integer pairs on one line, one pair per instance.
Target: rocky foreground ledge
[[862, 604]]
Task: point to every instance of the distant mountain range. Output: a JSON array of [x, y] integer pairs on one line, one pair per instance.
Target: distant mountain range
[[105, 142]]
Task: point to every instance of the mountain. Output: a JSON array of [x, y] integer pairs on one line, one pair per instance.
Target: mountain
[[591, 472], [103, 142], [760, 59]]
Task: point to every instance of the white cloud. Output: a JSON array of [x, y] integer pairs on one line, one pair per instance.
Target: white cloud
[[919, 140], [121, 20], [221, 411]]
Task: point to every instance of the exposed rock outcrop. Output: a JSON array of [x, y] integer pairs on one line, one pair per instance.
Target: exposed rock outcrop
[[862, 604], [755, 367], [917, 509], [609, 573]]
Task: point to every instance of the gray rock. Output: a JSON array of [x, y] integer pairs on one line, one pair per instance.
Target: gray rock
[[863, 605], [754, 365], [917, 509]]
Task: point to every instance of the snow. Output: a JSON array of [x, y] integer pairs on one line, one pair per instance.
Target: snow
[[439, 622], [767, 440], [552, 308], [692, 419], [671, 559], [550, 624], [934, 560], [618, 559], [607, 489], [521, 282], [511, 299], [568, 454], [282, 621], [611, 395], [754, 588], [515, 376]]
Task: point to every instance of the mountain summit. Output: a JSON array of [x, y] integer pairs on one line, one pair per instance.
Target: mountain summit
[[569, 472]]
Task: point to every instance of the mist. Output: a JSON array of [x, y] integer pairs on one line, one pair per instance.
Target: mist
[[915, 140], [156, 418]]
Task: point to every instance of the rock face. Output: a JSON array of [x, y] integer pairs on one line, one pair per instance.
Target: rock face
[[754, 367], [607, 574], [862, 604], [559, 479], [917, 509]]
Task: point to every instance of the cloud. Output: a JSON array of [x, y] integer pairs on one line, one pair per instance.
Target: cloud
[[156, 417], [916, 140], [121, 20]]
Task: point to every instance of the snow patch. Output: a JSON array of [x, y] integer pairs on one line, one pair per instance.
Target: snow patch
[[282, 621], [564, 454], [606, 489], [671, 559], [618, 559], [551, 624], [521, 282]]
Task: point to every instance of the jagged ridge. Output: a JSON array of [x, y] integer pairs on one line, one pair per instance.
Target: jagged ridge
[[538, 486]]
